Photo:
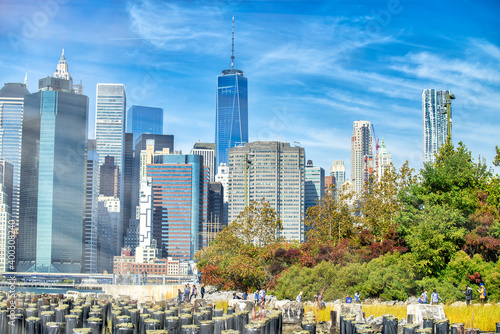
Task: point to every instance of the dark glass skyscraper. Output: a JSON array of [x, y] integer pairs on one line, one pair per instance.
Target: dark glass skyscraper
[[11, 123], [231, 128], [141, 119], [53, 169]]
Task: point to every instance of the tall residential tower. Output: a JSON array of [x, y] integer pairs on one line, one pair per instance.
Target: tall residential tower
[[361, 155], [434, 122]]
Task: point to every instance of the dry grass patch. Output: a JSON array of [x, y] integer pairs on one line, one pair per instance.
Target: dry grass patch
[[475, 316]]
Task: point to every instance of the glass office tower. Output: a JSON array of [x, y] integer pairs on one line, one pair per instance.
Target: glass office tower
[[11, 123], [53, 169], [141, 119], [232, 113], [180, 189], [110, 122]]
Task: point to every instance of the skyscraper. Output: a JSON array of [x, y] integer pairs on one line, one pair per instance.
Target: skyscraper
[[11, 124], [207, 150], [274, 171], [180, 192], [384, 161], [53, 169], [109, 184], [110, 122], [6, 186], [91, 218], [222, 177], [361, 154], [314, 188], [338, 172], [231, 126], [141, 119], [434, 122]]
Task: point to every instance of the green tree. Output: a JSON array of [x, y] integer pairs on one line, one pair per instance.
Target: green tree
[[228, 263], [434, 235], [453, 180], [496, 161], [331, 219], [257, 224], [380, 203]]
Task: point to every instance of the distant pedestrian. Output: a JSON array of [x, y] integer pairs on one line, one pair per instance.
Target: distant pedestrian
[[357, 297], [235, 296], [348, 299], [316, 296], [245, 295], [186, 293], [262, 298], [482, 293], [423, 298], [256, 296], [435, 297], [194, 292], [202, 291], [468, 295], [179, 296], [299, 297]]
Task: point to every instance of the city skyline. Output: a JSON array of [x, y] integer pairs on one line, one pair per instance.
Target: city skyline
[[313, 67]]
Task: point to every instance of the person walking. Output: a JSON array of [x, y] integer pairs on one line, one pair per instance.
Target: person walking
[[186, 293], [194, 292], [435, 297], [482, 293], [299, 297], [468, 295], [202, 291]]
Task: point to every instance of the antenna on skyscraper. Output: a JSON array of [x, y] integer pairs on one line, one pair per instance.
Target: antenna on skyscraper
[[232, 48]]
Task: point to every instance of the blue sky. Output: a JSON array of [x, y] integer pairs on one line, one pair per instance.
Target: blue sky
[[313, 67]]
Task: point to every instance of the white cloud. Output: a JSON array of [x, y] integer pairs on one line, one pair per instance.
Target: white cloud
[[170, 26]]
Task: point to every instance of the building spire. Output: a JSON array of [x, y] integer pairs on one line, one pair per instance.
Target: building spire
[[232, 48], [26, 78]]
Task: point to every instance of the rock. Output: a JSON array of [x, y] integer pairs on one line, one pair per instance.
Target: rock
[[419, 311], [241, 305], [292, 312], [412, 300], [376, 323], [354, 309]]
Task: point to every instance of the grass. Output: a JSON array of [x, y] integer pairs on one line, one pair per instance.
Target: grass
[[476, 316], [221, 304]]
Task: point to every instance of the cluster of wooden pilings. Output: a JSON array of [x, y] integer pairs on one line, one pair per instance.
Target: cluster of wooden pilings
[[55, 314]]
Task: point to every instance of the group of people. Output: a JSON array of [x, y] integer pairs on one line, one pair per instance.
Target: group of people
[[435, 298], [188, 293], [318, 298], [482, 294]]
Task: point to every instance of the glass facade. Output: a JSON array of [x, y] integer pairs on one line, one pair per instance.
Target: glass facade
[[11, 123], [110, 122], [434, 122], [180, 187], [142, 119], [53, 185], [232, 113]]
